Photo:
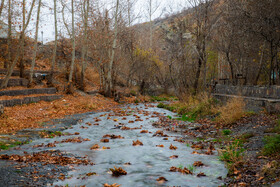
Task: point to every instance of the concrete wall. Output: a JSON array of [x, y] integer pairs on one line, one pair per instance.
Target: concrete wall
[[256, 98], [272, 92]]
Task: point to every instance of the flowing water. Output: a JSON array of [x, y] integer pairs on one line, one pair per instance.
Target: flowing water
[[148, 162]]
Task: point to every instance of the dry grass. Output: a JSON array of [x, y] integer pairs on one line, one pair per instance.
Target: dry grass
[[199, 105], [232, 111]]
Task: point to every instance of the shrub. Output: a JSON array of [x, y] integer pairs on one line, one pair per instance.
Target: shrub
[[232, 154], [160, 105], [232, 111], [272, 145], [226, 132]]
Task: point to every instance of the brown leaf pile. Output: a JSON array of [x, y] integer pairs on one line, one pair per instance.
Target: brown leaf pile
[[47, 157], [33, 115]]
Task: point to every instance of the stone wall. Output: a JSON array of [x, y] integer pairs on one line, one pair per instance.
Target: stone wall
[[257, 98], [28, 100], [28, 92], [272, 92]]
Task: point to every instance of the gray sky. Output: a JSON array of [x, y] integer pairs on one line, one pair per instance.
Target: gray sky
[[47, 25]]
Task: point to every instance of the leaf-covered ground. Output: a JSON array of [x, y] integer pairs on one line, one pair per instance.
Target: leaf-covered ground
[[33, 115]]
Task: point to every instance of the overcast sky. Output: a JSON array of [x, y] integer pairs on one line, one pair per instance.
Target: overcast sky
[[47, 25]]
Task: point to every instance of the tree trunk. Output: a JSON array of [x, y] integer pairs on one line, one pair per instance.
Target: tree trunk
[[21, 61], [35, 45], [8, 61], [231, 68], [73, 45], [84, 50], [110, 80], [55, 44], [261, 66], [197, 75], [1, 7]]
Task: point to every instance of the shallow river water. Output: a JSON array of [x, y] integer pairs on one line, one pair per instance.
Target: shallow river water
[[148, 162]]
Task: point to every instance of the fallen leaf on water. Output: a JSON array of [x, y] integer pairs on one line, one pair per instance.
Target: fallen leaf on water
[[116, 120], [195, 152], [106, 148], [116, 172], [96, 146], [90, 174], [89, 124], [137, 143], [104, 140], [144, 131], [201, 175], [113, 185], [162, 180], [112, 136], [172, 147], [184, 171], [160, 145], [198, 164], [173, 156], [197, 146]]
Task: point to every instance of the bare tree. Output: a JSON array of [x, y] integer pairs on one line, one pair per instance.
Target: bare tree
[[152, 7], [72, 35], [85, 10], [109, 85], [18, 52], [55, 41], [35, 44], [1, 7]]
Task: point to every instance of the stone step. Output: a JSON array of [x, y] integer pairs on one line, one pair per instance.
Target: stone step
[[28, 91], [26, 72], [94, 92], [28, 100], [16, 82]]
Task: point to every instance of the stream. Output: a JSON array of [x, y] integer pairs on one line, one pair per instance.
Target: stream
[[143, 164]]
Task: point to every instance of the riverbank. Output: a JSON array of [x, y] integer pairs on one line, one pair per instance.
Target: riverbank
[[249, 146]]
